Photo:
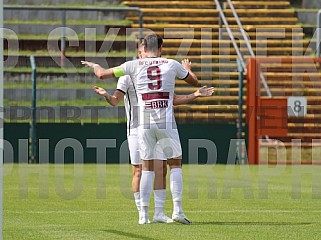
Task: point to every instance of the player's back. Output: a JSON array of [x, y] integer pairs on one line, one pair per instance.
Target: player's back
[[154, 80], [156, 74], [155, 83]]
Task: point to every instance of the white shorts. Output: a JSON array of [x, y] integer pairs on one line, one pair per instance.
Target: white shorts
[[151, 136], [134, 150]]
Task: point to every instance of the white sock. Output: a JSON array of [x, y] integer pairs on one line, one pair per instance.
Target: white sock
[[176, 185], [137, 200], [159, 198], [146, 187]]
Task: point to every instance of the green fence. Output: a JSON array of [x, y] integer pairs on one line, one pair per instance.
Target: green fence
[[106, 143]]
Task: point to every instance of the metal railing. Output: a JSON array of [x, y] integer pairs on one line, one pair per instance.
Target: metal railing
[[33, 136], [229, 31], [248, 45], [239, 122], [318, 47], [245, 37]]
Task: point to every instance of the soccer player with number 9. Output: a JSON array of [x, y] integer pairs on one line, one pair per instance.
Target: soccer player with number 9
[[154, 81]]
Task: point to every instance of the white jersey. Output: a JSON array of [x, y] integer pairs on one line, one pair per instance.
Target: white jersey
[[154, 81], [126, 85]]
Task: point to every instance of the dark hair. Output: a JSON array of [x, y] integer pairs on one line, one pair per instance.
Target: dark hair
[[152, 42], [139, 44]]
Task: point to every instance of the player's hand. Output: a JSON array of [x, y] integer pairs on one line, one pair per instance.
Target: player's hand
[[100, 91], [89, 64], [186, 64], [204, 92]]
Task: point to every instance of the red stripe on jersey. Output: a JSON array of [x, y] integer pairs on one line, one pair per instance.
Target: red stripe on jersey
[[156, 95]]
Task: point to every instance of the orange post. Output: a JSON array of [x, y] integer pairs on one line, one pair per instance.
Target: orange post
[[252, 102]]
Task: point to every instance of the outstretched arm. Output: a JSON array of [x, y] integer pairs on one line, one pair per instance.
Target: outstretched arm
[[202, 92], [191, 78], [111, 99], [100, 72]]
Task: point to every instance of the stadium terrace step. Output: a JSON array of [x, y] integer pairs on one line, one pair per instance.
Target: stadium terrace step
[[277, 76], [271, 33], [305, 138], [288, 144], [205, 57], [177, 25], [219, 91], [71, 62], [210, 33], [172, 4], [313, 117], [296, 75], [261, 12], [248, 28], [215, 42], [289, 67], [285, 36], [294, 83], [47, 75], [233, 75], [214, 65], [217, 99], [174, 19], [261, 4], [54, 94], [305, 135], [269, 26], [46, 29], [196, 51], [76, 45], [311, 99], [308, 126], [198, 66], [286, 75], [282, 51], [204, 108], [269, 20], [293, 91], [205, 117], [214, 82], [179, 12], [49, 17]]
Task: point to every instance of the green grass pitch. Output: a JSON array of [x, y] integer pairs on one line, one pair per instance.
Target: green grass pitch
[[224, 202]]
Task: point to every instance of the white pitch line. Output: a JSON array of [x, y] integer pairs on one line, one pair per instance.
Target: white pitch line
[[193, 211]]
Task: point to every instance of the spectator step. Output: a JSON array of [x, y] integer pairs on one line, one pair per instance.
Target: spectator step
[[175, 19], [210, 33], [261, 12], [260, 4], [179, 12], [172, 4]]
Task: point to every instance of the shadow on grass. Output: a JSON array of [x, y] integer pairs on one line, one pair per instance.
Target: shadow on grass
[[253, 223], [130, 235]]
